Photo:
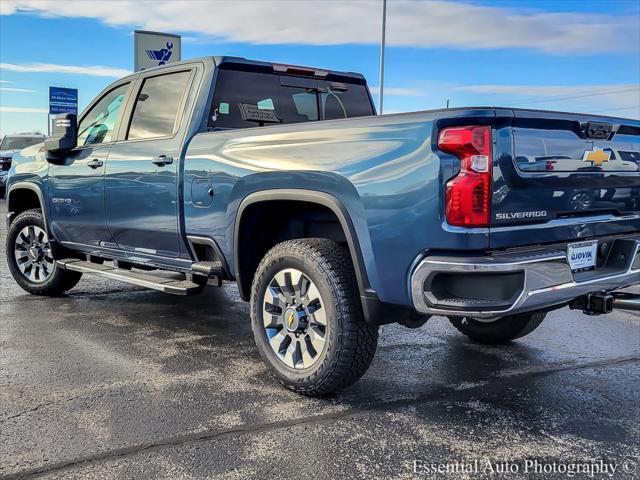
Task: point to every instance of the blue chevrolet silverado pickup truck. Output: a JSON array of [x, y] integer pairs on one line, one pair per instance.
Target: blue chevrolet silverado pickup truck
[[331, 220]]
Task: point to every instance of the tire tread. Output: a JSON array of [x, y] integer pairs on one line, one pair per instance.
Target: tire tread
[[357, 340]]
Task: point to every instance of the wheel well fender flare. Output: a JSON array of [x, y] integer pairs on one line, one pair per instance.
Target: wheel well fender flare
[[320, 198], [34, 188]]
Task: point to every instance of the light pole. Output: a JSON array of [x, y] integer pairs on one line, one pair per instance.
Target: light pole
[[382, 42]]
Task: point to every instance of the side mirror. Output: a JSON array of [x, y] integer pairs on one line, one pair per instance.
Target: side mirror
[[64, 137]]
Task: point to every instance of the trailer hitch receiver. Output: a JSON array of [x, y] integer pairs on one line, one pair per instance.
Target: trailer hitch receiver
[[604, 302], [594, 303]]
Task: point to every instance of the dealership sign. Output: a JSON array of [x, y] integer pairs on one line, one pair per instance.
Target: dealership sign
[[152, 49], [63, 100]]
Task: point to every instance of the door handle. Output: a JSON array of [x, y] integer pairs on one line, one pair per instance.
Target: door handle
[[95, 163], [162, 160]]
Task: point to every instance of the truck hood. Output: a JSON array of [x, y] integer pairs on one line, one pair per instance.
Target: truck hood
[[7, 154]]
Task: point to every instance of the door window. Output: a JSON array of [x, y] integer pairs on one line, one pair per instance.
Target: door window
[[156, 110], [97, 126]]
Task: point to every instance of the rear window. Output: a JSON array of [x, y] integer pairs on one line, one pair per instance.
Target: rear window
[[251, 99]]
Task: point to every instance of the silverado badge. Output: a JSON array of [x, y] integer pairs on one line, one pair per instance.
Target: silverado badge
[[597, 156]]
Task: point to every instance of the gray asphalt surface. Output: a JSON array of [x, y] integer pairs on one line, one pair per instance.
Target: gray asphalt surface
[[115, 382]]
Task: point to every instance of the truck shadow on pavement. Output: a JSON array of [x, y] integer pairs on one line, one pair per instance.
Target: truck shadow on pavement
[[210, 331]]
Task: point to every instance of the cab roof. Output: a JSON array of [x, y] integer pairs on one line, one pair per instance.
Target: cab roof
[[244, 64]]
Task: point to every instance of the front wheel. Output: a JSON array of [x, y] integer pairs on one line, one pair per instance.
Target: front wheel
[[307, 317], [502, 330], [30, 259]]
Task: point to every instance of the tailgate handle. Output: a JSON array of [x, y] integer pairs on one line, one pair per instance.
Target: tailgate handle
[[598, 130]]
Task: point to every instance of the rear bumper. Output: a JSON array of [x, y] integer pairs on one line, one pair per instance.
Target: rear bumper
[[498, 285]]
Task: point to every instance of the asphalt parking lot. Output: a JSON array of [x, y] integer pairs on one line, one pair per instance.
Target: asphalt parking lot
[[113, 381]]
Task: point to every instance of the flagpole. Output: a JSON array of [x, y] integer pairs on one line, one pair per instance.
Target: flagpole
[[382, 45]]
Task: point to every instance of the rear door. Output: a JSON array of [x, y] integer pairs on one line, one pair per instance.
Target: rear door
[[565, 176], [141, 179]]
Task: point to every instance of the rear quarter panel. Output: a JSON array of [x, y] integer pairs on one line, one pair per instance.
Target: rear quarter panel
[[382, 169]]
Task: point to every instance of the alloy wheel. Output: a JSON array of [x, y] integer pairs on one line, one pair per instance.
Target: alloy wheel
[[33, 254], [295, 319]]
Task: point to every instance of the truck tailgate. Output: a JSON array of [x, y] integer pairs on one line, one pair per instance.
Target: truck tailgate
[[560, 177]]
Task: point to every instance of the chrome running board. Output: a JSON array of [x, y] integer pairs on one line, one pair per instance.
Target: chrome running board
[[176, 286]]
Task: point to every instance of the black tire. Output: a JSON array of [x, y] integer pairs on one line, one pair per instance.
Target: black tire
[[58, 282], [502, 330], [350, 342]]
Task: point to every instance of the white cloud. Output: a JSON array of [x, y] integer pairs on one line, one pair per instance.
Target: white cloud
[[434, 23], [547, 90], [92, 70], [22, 110], [398, 91], [11, 89], [622, 100], [6, 81], [618, 95], [615, 99]]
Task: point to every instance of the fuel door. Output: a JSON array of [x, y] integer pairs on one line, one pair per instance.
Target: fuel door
[[201, 192]]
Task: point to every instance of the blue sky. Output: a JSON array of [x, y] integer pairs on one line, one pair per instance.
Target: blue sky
[[563, 55]]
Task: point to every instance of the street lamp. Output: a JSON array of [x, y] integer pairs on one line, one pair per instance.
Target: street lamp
[[382, 43]]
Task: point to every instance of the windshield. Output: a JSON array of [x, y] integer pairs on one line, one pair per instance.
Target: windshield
[[18, 143]]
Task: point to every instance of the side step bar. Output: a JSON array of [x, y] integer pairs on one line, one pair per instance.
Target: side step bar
[[211, 269], [156, 282]]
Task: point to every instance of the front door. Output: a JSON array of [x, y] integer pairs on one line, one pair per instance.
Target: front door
[[141, 179], [76, 187]]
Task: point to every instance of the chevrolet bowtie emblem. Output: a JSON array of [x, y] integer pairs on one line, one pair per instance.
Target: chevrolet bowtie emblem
[[596, 156]]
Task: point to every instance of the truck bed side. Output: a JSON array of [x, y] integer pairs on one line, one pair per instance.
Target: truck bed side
[[384, 170], [390, 176]]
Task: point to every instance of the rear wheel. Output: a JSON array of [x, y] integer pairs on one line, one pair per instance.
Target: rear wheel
[[30, 259], [502, 330], [307, 317]]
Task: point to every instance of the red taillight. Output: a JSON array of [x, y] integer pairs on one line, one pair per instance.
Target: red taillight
[[468, 194]]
